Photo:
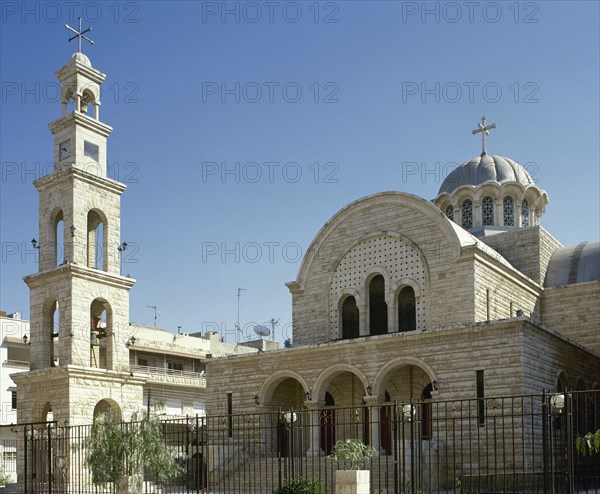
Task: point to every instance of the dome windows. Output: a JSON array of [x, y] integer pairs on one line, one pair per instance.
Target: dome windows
[[525, 214], [466, 212], [487, 211], [508, 204], [491, 193], [449, 212]]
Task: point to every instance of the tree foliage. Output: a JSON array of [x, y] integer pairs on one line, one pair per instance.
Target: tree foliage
[[117, 450]]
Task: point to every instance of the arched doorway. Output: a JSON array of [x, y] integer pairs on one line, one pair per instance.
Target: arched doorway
[[385, 420], [288, 396], [404, 381], [343, 387], [327, 421]]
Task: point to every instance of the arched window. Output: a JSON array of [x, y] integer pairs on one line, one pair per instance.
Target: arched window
[[51, 331], [426, 415], [378, 321], [97, 241], [509, 211], [407, 314], [100, 334], [467, 214], [47, 415], [58, 242], [525, 213], [350, 317], [87, 98], [54, 362], [487, 211], [449, 212], [107, 410]]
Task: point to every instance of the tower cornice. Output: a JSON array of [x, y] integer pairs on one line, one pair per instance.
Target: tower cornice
[[75, 66], [77, 118], [81, 272], [71, 172]]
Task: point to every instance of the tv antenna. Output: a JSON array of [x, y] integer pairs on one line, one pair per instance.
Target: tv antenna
[[156, 312], [273, 324], [262, 330], [237, 325]]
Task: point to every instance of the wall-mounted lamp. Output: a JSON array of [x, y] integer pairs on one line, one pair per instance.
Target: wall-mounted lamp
[[520, 312], [434, 385], [408, 412], [288, 418], [35, 244], [557, 402], [73, 230], [132, 341], [256, 400], [369, 390], [123, 246], [25, 339]]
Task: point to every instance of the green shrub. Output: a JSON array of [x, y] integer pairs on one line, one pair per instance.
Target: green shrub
[[302, 485], [588, 444], [352, 450]]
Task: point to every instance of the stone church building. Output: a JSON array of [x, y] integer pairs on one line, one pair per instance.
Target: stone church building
[[402, 299], [398, 298]]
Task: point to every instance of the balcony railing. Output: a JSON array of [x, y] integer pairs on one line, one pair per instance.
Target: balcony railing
[[16, 363], [145, 369]]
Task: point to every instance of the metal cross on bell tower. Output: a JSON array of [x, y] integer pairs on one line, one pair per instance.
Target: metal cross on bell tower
[[484, 129], [79, 34]]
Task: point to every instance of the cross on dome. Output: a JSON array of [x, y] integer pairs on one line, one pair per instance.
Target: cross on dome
[[484, 129], [79, 34]]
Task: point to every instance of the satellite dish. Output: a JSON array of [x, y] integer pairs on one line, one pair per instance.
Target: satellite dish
[[262, 330]]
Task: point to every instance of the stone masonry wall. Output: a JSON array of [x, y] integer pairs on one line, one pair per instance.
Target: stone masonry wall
[[573, 312]]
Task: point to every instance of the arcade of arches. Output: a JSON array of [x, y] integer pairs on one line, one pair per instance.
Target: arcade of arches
[[343, 404]]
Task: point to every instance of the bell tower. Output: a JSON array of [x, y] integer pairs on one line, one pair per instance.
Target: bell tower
[[79, 301]]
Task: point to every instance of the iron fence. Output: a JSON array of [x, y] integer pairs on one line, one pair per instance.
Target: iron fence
[[516, 444]]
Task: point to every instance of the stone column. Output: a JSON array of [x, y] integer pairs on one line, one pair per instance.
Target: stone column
[[314, 407], [498, 213], [363, 329], [374, 424], [477, 220]]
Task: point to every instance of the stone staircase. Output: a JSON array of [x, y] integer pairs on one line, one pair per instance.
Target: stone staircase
[[263, 475]]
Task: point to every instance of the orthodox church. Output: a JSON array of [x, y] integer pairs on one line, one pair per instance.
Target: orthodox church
[[398, 298], [402, 299]]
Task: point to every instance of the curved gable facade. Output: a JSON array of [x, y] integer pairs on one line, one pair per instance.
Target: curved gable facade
[[404, 239]]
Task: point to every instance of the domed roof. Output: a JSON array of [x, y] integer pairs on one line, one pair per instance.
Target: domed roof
[[81, 58], [576, 264], [483, 168]]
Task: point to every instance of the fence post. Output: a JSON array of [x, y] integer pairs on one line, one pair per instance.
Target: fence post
[[49, 460], [25, 457], [546, 472], [396, 438], [569, 445]]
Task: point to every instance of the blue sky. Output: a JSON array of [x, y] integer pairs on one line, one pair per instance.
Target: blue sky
[[240, 128]]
